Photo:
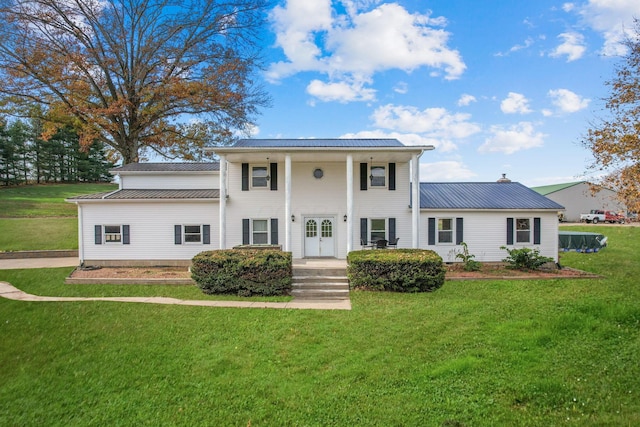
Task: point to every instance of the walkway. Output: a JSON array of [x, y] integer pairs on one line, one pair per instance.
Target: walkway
[[9, 291]]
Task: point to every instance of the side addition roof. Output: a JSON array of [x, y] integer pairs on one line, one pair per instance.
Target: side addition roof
[[150, 195], [482, 195], [168, 167], [548, 189]]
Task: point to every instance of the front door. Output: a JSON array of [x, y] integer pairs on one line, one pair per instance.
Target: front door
[[318, 237]]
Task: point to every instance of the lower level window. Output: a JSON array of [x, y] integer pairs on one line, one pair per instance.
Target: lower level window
[[378, 229], [112, 234], [260, 232], [523, 230], [445, 230], [192, 234]]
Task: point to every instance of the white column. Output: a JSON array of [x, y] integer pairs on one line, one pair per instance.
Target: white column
[[287, 203], [349, 203], [415, 202], [223, 202]]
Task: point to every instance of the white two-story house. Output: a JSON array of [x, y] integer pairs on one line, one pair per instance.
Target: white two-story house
[[314, 198]]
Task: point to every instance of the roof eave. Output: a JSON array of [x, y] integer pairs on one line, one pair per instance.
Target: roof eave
[[228, 150]]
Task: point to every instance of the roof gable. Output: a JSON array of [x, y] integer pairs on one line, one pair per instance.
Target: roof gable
[[548, 189], [482, 195]]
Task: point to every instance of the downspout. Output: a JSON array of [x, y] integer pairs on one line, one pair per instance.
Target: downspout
[[80, 234]]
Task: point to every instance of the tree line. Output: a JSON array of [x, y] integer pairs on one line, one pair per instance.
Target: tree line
[[25, 157]]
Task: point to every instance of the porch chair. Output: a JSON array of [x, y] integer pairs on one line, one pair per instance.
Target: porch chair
[[381, 244], [365, 245], [394, 243]]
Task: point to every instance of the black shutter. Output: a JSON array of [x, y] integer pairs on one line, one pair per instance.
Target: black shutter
[[177, 234], [363, 176], [125, 235], [392, 229], [431, 229], [536, 231], [273, 176], [364, 233], [274, 231], [245, 177], [392, 176], [509, 231], [245, 232], [98, 234], [206, 234], [459, 231]]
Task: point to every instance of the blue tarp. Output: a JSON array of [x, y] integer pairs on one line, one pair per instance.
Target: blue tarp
[[581, 241]]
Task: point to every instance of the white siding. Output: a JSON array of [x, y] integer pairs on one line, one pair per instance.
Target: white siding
[[313, 197], [485, 232], [176, 181], [151, 229]]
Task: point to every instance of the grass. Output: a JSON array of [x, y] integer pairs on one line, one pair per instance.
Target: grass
[[36, 217], [478, 353], [45, 200]]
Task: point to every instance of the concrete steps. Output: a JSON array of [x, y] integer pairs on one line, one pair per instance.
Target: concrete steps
[[320, 284]]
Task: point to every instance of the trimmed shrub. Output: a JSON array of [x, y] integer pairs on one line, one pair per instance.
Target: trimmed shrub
[[243, 272], [400, 270]]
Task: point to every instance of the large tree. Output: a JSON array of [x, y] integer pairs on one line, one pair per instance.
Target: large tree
[[615, 141], [139, 75]]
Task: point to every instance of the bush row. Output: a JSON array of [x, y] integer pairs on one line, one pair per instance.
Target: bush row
[[400, 270], [243, 272]]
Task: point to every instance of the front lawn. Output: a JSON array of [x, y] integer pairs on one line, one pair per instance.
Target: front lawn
[[479, 353], [27, 234]]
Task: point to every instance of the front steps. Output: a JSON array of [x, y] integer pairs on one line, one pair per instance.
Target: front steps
[[320, 283]]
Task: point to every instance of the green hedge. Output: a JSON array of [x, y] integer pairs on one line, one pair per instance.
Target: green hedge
[[400, 270], [244, 272]]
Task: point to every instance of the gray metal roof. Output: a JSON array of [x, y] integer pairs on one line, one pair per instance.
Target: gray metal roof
[[168, 167], [329, 143], [482, 195], [131, 194]]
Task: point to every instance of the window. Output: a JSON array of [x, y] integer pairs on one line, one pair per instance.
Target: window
[[378, 229], [192, 234], [378, 176], [523, 230], [445, 230], [259, 176], [112, 234], [311, 228], [260, 232]]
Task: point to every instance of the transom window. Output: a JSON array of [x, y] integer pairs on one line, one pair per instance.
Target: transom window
[[378, 229], [259, 176], [260, 231], [445, 230], [112, 234], [378, 176], [192, 234], [523, 230]]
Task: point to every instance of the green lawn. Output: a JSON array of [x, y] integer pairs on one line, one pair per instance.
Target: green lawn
[[45, 200], [483, 353], [36, 217]]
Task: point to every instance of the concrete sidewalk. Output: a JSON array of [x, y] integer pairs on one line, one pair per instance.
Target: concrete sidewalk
[[9, 291], [13, 264]]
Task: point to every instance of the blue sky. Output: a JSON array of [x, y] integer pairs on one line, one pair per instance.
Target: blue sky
[[497, 86]]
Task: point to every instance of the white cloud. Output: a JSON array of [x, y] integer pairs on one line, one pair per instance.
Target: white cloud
[[521, 136], [433, 122], [515, 103], [568, 7], [527, 43], [441, 145], [613, 19], [401, 87], [466, 99], [357, 44], [445, 171], [567, 101], [340, 91], [572, 46]]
